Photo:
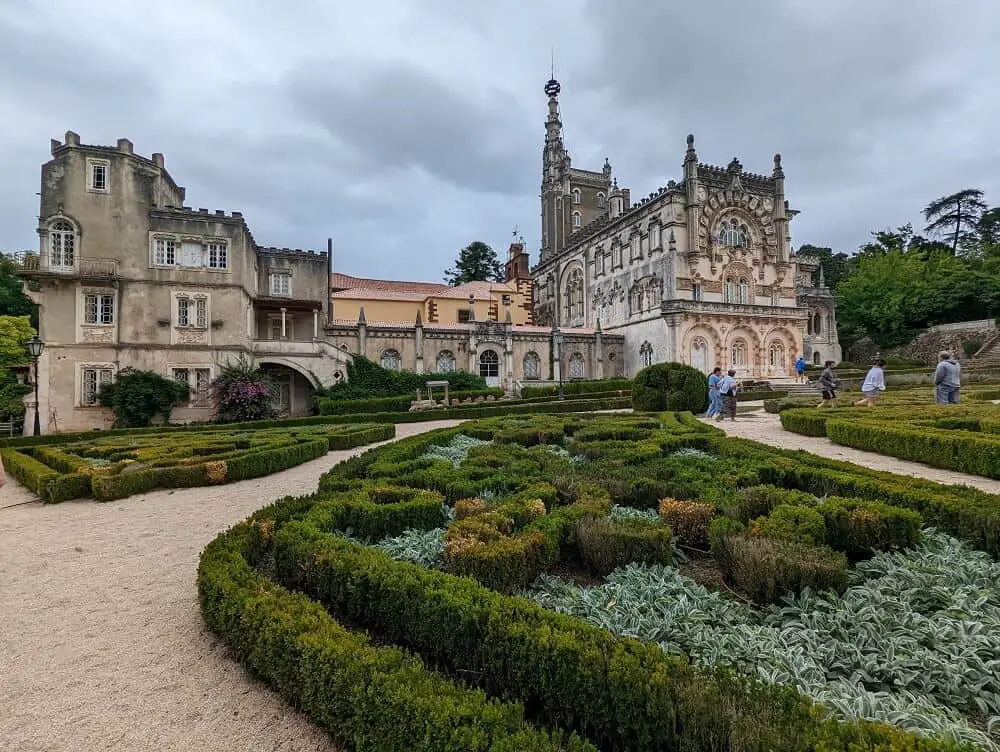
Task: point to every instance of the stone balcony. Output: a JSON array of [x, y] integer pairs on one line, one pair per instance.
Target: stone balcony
[[669, 307], [43, 266], [301, 348]]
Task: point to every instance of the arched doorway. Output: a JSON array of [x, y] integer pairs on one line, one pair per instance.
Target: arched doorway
[[293, 390], [702, 356], [776, 359], [489, 367]]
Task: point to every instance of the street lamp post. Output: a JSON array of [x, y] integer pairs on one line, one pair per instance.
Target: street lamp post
[[557, 340], [35, 347]]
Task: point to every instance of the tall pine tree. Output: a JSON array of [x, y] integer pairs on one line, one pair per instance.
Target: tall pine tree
[[477, 262]]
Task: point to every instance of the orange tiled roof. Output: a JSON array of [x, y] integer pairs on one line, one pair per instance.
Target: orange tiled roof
[[375, 293], [347, 282]]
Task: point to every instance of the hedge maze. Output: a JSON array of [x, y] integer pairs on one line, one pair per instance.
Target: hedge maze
[[964, 437], [130, 462], [518, 583]]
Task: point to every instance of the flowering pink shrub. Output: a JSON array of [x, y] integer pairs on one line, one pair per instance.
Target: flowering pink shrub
[[243, 392]]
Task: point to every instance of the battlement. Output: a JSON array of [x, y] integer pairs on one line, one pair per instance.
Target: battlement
[[720, 177], [217, 214], [294, 252], [71, 140]]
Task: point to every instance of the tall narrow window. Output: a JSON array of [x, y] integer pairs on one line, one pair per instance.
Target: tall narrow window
[[183, 312], [744, 291], [576, 196], [577, 219], [201, 313], [696, 293], [601, 200], [201, 392], [62, 244], [97, 175]]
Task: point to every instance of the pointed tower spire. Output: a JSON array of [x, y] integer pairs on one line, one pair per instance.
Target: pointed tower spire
[[419, 323], [361, 316], [822, 280]]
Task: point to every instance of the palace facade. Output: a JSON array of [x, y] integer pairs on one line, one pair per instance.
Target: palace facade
[[700, 271]]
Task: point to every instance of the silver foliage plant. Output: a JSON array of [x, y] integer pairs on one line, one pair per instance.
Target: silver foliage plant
[[421, 547], [456, 450], [915, 641]]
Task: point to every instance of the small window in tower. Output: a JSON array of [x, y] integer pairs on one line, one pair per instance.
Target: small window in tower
[[601, 200], [97, 175], [577, 219], [576, 196]]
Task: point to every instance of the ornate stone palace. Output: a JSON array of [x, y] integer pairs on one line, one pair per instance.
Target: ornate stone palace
[[700, 271]]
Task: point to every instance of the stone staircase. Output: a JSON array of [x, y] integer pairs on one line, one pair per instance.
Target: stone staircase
[[795, 389]]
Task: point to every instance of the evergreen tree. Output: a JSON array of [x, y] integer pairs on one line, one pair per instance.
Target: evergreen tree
[[477, 262], [956, 216]]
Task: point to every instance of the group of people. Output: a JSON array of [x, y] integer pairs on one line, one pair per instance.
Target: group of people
[[722, 394]]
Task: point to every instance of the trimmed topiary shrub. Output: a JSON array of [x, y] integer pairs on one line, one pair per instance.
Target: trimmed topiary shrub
[[670, 386], [792, 522], [689, 520], [606, 544]]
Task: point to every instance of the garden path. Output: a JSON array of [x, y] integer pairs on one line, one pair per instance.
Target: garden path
[[766, 428], [102, 644]]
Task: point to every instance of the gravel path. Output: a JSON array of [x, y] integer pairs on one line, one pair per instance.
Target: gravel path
[[102, 644], [766, 428]]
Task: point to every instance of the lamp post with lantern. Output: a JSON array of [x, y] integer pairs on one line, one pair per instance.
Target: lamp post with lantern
[[35, 347]]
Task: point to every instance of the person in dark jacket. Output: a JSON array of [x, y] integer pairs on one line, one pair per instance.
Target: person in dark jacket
[[947, 380], [828, 385]]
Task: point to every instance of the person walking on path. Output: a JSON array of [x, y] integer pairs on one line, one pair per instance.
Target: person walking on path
[[727, 392], [800, 370], [947, 379], [873, 385], [828, 384], [714, 396]]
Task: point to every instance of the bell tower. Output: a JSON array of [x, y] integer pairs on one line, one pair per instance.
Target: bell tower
[[555, 179]]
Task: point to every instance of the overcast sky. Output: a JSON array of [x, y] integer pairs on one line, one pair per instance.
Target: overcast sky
[[406, 130]]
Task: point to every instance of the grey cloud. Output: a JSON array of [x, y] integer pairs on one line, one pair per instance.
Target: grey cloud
[[400, 114]]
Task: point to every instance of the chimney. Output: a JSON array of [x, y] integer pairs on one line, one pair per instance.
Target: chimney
[[72, 139], [54, 145], [124, 146], [158, 160]]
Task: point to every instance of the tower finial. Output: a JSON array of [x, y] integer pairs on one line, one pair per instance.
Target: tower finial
[[553, 67]]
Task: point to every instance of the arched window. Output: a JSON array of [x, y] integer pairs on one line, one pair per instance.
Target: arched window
[[577, 366], [744, 291], [62, 244], [817, 324], [816, 358], [532, 366], [550, 287], [739, 354], [577, 219], [775, 295], [573, 295], [776, 356], [489, 364], [390, 360], [699, 354], [809, 324], [601, 201], [734, 233], [729, 290], [445, 362], [646, 353], [576, 196]]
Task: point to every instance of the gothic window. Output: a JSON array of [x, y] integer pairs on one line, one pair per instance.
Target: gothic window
[[653, 293], [817, 324], [739, 354], [699, 354], [576, 195], [445, 362], [574, 295], [577, 219], [601, 200], [744, 289], [775, 296], [577, 367], [532, 366], [734, 233], [776, 356], [646, 353], [616, 255], [654, 236], [489, 364], [696, 293], [634, 252], [390, 360], [729, 290], [62, 244]]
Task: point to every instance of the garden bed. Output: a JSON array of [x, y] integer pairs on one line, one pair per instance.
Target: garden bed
[[110, 467], [426, 544]]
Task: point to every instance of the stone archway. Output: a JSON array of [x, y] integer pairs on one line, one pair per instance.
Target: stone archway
[[490, 366], [700, 348], [294, 388], [743, 352]]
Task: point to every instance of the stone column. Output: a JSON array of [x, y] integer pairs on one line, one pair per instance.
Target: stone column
[[418, 338], [362, 333], [315, 323], [599, 353], [284, 334], [508, 355]]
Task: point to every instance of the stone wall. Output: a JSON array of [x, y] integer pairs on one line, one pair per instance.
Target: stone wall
[[925, 347]]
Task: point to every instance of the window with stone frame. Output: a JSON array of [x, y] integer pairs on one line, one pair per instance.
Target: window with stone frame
[[192, 312], [646, 353], [217, 255], [739, 354], [98, 175], [654, 236], [577, 220], [92, 378], [199, 381], [280, 284], [164, 251], [577, 366], [696, 292], [464, 315], [601, 200], [99, 308], [391, 360], [445, 362], [577, 196], [532, 366], [733, 233]]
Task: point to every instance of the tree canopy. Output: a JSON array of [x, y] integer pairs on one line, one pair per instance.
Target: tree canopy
[[477, 262], [13, 301]]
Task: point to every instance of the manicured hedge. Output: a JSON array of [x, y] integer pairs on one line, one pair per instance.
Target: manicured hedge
[[330, 406], [579, 387], [61, 472], [670, 386], [369, 697]]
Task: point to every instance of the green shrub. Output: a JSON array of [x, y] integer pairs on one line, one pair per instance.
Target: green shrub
[[758, 501], [606, 544], [136, 397], [670, 386], [792, 522], [244, 392], [859, 527], [765, 569], [578, 387]]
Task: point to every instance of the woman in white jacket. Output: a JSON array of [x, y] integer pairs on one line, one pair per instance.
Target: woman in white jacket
[[873, 385]]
